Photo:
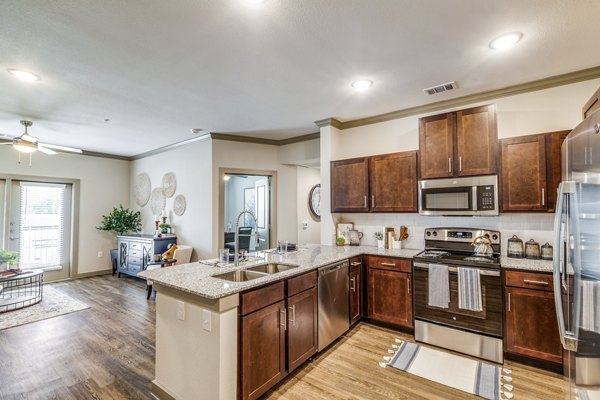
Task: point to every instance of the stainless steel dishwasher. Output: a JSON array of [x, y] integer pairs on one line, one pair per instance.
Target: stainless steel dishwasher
[[334, 310]]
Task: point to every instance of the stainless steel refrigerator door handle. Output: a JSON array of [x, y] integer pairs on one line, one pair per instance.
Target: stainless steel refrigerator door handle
[[543, 197], [293, 317], [13, 238], [449, 164]]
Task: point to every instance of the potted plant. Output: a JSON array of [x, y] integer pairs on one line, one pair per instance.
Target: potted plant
[[164, 228], [121, 221], [379, 236], [7, 258], [340, 241]]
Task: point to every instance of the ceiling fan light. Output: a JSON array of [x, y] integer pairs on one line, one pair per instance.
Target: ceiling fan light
[[28, 138], [24, 146], [23, 75]]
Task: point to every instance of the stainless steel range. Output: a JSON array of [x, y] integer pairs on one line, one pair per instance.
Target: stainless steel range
[[458, 291]]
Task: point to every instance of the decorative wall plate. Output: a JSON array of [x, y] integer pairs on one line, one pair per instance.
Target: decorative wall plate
[[314, 202], [157, 201], [142, 189], [179, 205], [169, 184]]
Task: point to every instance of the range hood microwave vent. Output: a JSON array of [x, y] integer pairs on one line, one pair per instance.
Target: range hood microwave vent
[[444, 87]]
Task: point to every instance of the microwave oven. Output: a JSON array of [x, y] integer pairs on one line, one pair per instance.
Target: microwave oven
[[477, 195]]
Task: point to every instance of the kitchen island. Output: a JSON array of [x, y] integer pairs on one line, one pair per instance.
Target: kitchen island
[[197, 320]]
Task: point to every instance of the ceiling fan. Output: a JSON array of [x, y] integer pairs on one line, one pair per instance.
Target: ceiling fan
[[30, 144]]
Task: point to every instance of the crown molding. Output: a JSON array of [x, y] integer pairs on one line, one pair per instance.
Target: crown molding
[[169, 147], [329, 122], [540, 84]]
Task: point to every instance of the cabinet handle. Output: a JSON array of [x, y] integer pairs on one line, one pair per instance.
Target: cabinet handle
[[459, 164], [449, 164], [388, 264], [365, 201], [284, 319], [355, 263], [408, 285], [543, 197], [509, 301], [353, 286], [535, 282], [293, 318], [373, 201]]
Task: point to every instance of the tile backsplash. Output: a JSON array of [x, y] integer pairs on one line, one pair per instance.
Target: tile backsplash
[[526, 226]]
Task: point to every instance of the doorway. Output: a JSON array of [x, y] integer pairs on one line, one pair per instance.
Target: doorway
[[251, 192], [37, 221]]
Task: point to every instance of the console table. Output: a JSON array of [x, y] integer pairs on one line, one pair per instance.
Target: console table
[[136, 252], [22, 290]]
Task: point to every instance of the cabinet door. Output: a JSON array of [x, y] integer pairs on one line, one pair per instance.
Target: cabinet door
[[355, 298], [390, 298], [393, 182], [476, 141], [350, 185], [554, 141], [302, 327], [592, 104], [263, 350], [436, 146], [531, 327], [524, 173], [123, 253]]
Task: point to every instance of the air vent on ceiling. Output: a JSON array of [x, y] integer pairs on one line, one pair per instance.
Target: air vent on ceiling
[[444, 87]]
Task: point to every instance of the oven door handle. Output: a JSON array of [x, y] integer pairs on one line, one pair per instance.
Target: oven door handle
[[455, 269]]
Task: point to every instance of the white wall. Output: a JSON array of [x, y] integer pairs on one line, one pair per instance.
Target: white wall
[[192, 165], [546, 110], [307, 178], [104, 184]]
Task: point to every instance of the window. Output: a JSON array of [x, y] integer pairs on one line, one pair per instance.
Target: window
[[42, 225]]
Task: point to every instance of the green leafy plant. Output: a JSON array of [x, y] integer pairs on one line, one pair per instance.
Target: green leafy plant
[[121, 220], [378, 235], [9, 257], [340, 241], [164, 227]]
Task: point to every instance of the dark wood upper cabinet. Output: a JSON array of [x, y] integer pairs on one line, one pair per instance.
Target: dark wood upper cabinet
[[302, 327], [531, 174], [436, 146], [462, 143], [531, 329], [393, 182], [350, 185], [263, 350], [476, 141], [382, 183], [592, 104]]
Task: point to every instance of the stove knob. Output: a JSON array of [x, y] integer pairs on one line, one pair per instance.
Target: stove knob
[[428, 233], [434, 233], [494, 237]]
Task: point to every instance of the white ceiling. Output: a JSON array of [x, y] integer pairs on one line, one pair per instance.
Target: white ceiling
[[158, 68]]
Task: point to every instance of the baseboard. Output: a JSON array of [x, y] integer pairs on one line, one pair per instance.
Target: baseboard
[[159, 392], [534, 362], [93, 273]]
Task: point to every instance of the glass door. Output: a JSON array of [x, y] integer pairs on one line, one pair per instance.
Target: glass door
[[39, 227]]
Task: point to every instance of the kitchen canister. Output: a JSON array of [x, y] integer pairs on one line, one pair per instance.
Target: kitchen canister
[[515, 247], [547, 252], [532, 249]]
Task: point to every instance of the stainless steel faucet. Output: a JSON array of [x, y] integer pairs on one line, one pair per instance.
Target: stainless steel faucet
[[236, 260]]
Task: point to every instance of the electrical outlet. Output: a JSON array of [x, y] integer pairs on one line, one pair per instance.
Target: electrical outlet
[[100, 254], [180, 310], [206, 320]]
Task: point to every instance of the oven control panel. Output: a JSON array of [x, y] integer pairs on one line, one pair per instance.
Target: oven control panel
[[486, 197], [460, 234]]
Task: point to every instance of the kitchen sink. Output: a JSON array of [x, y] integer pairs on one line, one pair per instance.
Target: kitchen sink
[[240, 276], [272, 268]]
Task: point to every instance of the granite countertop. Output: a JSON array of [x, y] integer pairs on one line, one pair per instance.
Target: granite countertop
[[196, 278], [526, 264]]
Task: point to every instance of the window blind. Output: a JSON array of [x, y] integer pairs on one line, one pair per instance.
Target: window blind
[[41, 225]]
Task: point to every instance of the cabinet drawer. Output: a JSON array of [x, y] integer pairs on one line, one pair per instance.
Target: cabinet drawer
[[262, 297], [529, 280], [300, 283], [135, 246], [355, 263], [134, 260], [395, 264], [135, 253]]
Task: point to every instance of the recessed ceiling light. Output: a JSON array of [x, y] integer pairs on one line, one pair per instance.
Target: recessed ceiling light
[[362, 84], [196, 130], [23, 75], [506, 40], [256, 1]]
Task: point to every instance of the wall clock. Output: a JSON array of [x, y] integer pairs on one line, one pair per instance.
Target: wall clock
[[314, 202]]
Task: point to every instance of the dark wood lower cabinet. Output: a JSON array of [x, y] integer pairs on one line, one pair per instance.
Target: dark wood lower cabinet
[[355, 298], [302, 327], [263, 350], [390, 297]]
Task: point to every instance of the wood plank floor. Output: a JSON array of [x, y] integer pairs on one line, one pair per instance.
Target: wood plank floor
[[107, 352]]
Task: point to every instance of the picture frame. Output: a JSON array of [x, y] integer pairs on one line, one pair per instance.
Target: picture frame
[[341, 230]]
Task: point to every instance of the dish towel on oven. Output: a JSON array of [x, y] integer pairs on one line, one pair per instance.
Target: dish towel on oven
[[469, 289], [590, 299], [439, 286]]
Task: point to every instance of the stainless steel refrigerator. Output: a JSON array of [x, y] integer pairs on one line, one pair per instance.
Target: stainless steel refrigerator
[[577, 258]]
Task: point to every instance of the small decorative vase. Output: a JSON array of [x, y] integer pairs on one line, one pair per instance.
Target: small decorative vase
[[380, 244], [164, 230]]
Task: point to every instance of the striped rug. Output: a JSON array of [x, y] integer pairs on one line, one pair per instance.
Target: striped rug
[[481, 379]]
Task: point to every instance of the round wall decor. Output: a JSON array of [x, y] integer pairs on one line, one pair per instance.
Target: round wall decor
[[169, 184], [142, 189], [314, 202], [179, 205], [157, 201]]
